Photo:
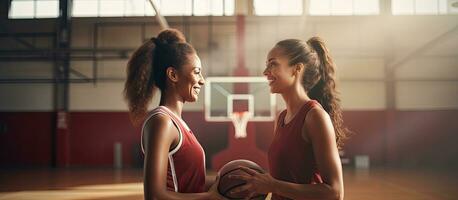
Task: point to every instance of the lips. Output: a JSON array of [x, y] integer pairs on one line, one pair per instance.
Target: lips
[[270, 80], [196, 89]]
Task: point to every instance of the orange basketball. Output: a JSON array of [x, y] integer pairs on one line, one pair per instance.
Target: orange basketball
[[227, 184]]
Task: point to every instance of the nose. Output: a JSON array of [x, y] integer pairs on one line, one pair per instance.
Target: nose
[[201, 80], [266, 71]]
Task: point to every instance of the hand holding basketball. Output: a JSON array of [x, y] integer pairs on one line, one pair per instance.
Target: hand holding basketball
[[256, 183], [230, 181], [214, 191]]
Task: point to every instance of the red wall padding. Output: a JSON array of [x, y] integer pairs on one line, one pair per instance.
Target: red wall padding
[[93, 135], [426, 138], [398, 137], [27, 139], [367, 135]]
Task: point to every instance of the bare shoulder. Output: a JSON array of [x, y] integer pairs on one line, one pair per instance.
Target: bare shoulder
[[158, 128], [157, 121], [316, 115], [317, 122]]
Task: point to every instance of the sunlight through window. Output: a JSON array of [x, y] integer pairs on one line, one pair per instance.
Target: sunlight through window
[[278, 7], [29, 9], [424, 7], [344, 7]]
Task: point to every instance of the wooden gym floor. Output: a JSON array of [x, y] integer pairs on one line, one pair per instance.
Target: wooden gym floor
[[104, 184]]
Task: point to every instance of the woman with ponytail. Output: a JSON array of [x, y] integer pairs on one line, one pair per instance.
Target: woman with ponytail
[[304, 160], [174, 163]]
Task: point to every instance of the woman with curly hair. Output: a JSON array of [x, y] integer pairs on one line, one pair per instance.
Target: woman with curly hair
[[174, 166]]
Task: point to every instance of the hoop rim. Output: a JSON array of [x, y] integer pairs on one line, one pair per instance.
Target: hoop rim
[[240, 113]]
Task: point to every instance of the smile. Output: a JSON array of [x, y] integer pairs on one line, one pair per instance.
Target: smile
[[196, 90], [270, 81]]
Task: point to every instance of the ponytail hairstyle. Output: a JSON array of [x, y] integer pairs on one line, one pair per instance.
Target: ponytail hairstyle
[[146, 69], [318, 78]]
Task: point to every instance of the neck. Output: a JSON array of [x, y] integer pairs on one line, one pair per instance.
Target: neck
[[294, 97], [172, 101]]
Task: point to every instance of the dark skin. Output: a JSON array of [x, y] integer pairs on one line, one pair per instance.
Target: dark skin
[[161, 135], [317, 130]]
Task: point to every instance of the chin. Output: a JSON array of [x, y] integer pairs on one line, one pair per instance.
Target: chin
[[193, 99], [273, 90]]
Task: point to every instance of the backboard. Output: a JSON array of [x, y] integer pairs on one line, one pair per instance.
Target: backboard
[[225, 96]]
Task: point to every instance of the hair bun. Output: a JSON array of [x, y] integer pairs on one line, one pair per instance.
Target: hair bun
[[170, 36]]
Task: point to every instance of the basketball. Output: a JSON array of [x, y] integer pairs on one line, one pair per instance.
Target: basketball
[[226, 184]]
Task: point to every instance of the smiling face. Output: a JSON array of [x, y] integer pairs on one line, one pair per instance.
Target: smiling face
[[278, 72], [190, 79]]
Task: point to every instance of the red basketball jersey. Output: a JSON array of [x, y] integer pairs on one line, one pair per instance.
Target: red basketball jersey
[[186, 167], [291, 158]]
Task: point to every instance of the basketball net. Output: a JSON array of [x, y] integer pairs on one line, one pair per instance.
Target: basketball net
[[240, 120]]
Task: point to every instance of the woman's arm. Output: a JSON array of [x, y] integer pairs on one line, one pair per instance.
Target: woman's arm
[[160, 133], [320, 132]]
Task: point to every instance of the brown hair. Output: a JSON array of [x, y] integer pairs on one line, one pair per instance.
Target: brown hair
[[318, 78], [146, 69]]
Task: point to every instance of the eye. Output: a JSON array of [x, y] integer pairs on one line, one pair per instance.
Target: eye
[[270, 64], [197, 71]]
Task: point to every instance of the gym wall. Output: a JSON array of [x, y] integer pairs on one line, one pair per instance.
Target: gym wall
[[419, 120]]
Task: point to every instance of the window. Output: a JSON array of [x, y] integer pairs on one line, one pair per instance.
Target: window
[[21, 9], [47, 9], [29, 9], [85, 8], [111, 8], [278, 7], [119, 8], [424, 7], [344, 7], [229, 7], [175, 7], [213, 7], [136, 8]]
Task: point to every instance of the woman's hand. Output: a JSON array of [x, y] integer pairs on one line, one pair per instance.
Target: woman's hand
[[213, 191], [256, 183]]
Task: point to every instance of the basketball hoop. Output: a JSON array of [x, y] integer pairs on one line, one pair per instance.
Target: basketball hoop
[[240, 120]]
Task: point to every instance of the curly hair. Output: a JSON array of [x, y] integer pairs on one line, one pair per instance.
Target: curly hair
[[146, 69]]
